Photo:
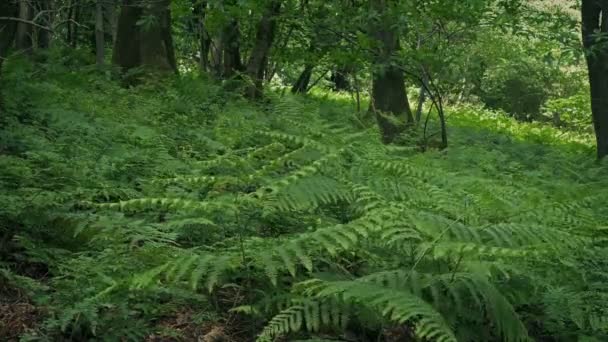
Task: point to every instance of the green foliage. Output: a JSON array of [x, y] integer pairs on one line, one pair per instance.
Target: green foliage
[[141, 202]]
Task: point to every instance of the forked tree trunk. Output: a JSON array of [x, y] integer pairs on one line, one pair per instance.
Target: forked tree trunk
[[261, 49], [301, 85], [389, 98], [595, 41]]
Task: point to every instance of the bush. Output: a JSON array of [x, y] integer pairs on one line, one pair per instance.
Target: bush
[[572, 112], [519, 88]]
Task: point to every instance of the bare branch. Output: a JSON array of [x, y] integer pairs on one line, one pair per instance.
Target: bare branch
[[27, 22]]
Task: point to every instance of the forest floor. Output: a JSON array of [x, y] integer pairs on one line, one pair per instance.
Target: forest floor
[[70, 138]]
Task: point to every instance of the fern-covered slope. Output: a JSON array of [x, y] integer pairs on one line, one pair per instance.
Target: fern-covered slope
[[122, 207]]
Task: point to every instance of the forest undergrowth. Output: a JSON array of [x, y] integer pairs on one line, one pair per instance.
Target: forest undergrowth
[[177, 211]]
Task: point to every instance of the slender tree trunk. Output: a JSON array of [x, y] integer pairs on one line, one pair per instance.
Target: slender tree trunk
[[389, 98], [75, 22], [199, 10], [594, 21], [69, 32], [357, 92], [301, 85], [421, 99], [25, 32], [44, 36], [99, 34], [7, 36], [261, 49]]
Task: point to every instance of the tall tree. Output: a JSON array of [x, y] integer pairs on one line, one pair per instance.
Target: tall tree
[[595, 40], [24, 38], [7, 34], [264, 38], [144, 36], [389, 99], [199, 10], [99, 34], [230, 52]]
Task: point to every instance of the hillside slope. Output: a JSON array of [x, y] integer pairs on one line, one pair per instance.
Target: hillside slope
[[175, 211]]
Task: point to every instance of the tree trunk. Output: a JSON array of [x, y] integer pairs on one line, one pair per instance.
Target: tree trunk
[[156, 42], [340, 78], [25, 32], [217, 57], [231, 49], [111, 23], [261, 49], [74, 22], [144, 45], [44, 36], [301, 85], [389, 99], [199, 11], [421, 99], [126, 52], [7, 35], [594, 21], [99, 34]]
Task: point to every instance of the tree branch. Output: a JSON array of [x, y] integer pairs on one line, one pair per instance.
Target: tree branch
[[27, 22]]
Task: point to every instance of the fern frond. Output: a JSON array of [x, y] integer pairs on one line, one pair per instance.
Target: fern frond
[[397, 306]]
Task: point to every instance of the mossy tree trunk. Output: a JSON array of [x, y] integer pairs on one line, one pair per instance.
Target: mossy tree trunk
[[389, 100], [595, 40], [148, 44]]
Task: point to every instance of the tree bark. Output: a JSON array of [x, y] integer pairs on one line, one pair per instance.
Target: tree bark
[[199, 10], [44, 36], [126, 49], [261, 49], [156, 42], [301, 85], [231, 50], [23, 40], [389, 99], [594, 31], [144, 45], [421, 99], [74, 22], [7, 36], [99, 34], [340, 78]]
